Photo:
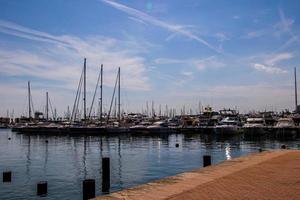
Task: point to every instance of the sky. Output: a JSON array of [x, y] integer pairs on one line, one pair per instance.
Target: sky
[[226, 54]]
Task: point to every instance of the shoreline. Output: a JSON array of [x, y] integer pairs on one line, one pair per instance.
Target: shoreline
[[211, 182]]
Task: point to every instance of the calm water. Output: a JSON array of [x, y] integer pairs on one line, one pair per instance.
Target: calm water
[[65, 161]]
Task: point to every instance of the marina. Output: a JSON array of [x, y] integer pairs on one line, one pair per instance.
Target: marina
[[206, 120], [149, 100]]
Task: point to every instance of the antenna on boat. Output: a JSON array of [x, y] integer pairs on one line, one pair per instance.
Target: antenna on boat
[[296, 103]]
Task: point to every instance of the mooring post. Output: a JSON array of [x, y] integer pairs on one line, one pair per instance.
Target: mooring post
[[105, 174], [88, 189], [42, 188], [206, 160], [7, 176]]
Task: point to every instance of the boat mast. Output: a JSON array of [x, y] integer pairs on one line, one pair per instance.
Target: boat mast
[[101, 90], [296, 103], [119, 112], [84, 89], [47, 107], [29, 101]]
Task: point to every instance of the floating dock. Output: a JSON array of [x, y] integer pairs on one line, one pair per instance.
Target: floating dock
[[267, 131], [265, 175]]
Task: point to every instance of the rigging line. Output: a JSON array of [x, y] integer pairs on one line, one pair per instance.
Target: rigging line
[[111, 103], [79, 85], [77, 97], [32, 103], [53, 117], [91, 108], [77, 103]]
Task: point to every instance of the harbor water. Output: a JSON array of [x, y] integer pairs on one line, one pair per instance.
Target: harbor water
[[65, 161]]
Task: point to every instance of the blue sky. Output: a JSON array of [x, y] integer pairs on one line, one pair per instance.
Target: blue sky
[[222, 53]]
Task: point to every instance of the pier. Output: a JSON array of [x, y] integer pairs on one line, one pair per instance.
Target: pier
[[263, 175]]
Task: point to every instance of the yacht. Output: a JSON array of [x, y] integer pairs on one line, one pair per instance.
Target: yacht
[[254, 126], [141, 127], [285, 123], [159, 127], [228, 125]]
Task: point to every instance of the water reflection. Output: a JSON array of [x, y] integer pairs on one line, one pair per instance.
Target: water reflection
[[28, 160], [84, 157], [120, 163], [46, 157], [227, 152]]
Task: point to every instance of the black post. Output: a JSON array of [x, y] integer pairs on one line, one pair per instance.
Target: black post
[[105, 174], [7, 176], [206, 160], [42, 188], [176, 145], [88, 189]]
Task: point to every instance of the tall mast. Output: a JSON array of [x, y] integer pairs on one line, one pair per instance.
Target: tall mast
[[296, 103], [29, 101], [119, 99], [84, 89], [101, 89], [47, 107]]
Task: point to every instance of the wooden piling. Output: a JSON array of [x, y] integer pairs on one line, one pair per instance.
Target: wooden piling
[[88, 189], [105, 174], [206, 160], [7, 176], [42, 188]]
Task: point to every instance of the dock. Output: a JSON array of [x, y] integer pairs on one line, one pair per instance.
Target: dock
[[264, 175]]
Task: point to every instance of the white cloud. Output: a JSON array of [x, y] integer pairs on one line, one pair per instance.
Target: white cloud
[[222, 36], [209, 63], [163, 61], [187, 73], [55, 62], [283, 26], [255, 34], [236, 17], [60, 58], [270, 63], [269, 69], [178, 29], [274, 59], [262, 96]]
